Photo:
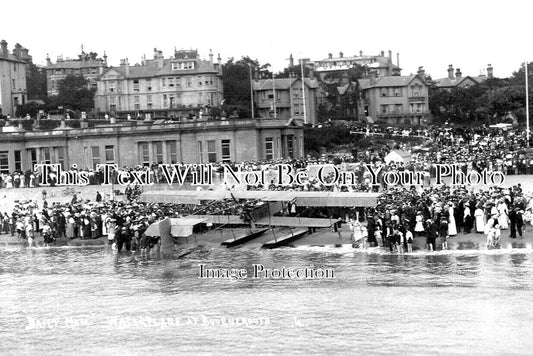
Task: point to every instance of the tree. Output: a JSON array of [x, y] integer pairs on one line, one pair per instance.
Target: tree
[[236, 79], [341, 106], [36, 82], [75, 94]]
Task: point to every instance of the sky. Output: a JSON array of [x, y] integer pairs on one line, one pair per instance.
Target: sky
[[433, 34]]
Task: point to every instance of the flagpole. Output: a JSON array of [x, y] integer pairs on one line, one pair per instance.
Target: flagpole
[[274, 90], [251, 90], [527, 108], [303, 90]]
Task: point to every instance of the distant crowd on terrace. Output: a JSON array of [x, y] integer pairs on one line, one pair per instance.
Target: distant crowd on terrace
[[476, 149]]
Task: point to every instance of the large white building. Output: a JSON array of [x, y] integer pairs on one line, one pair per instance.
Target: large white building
[[13, 68], [172, 87]]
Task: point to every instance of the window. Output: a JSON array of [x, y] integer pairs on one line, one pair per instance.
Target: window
[[33, 157], [418, 107], [226, 151], [383, 109], [149, 84], [45, 155], [13, 83], [4, 161], [136, 101], [384, 92], [188, 82], [199, 81], [18, 160], [398, 108], [136, 85], [269, 148], [211, 151], [164, 82], [60, 151], [158, 152], [172, 151], [182, 65], [200, 152], [165, 101], [14, 67], [144, 154], [109, 154], [149, 102], [171, 82], [397, 91], [95, 156]]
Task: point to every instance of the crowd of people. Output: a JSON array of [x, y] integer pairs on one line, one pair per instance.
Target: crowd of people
[[403, 214], [123, 222], [441, 212]]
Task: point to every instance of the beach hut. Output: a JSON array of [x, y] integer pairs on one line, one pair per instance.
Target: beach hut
[[398, 156]]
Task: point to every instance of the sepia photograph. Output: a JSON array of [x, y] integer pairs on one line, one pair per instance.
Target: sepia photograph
[[266, 178]]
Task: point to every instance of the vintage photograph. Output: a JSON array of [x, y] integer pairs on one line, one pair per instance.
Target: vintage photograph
[[282, 177]]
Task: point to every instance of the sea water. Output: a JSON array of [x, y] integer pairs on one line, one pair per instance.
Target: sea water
[[85, 301]]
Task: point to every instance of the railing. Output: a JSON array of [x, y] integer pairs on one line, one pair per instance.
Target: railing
[[144, 126]]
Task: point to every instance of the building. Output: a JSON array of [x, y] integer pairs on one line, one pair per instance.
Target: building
[[380, 64], [179, 86], [13, 71], [396, 99], [87, 65], [458, 81], [134, 143], [289, 98]]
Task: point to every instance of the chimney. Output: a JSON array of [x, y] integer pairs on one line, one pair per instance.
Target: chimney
[[105, 59], [458, 73], [341, 54], [390, 54], [211, 56], [382, 53], [16, 51], [219, 59], [4, 52], [421, 72], [450, 72], [397, 59], [360, 53], [490, 73], [330, 55], [126, 66], [291, 61], [48, 61], [158, 57]]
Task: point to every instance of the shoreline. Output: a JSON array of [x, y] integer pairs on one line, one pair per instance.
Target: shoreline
[[320, 238]]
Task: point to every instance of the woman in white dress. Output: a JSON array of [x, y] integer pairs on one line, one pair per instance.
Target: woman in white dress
[[419, 226], [503, 215], [452, 227], [480, 219]]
